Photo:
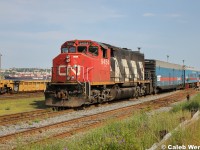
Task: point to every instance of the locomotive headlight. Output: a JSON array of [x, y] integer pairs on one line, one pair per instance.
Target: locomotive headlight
[[68, 60], [68, 77]]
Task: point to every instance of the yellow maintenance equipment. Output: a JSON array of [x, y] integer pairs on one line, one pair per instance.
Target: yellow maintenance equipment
[[9, 86]]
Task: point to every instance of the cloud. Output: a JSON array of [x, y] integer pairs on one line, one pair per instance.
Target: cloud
[[169, 15], [173, 15], [149, 15]]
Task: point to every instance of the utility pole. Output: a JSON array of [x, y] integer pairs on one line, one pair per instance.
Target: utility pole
[[183, 73], [0, 66], [167, 58]]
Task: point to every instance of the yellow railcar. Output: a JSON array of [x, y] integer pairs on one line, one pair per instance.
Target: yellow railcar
[[5, 86], [8, 86], [29, 86]]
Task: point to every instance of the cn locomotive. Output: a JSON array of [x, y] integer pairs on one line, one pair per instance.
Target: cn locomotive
[[88, 72]]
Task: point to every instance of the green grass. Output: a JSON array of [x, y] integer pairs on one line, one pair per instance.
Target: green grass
[[138, 132], [188, 105], [189, 136], [21, 105]]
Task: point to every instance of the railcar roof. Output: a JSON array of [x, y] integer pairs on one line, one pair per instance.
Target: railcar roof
[[192, 68], [171, 65]]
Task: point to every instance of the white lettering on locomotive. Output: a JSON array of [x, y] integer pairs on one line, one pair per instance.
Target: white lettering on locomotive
[[70, 43], [105, 61], [84, 43], [62, 73], [63, 68], [75, 56], [76, 70]]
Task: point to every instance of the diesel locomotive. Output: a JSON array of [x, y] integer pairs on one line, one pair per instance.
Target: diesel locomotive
[[88, 72]]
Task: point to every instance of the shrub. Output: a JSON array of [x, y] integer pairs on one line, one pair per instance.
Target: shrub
[[189, 105]]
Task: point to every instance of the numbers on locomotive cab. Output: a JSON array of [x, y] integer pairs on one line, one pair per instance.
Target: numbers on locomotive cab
[[70, 43], [84, 43], [105, 62]]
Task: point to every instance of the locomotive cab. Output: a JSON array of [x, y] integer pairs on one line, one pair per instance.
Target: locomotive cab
[[79, 61]]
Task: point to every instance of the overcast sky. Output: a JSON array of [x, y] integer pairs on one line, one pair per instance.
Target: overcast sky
[[32, 31]]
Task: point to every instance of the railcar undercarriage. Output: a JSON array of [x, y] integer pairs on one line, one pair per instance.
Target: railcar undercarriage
[[76, 95]]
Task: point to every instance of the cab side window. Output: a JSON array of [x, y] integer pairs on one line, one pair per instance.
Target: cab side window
[[112, 53], [104, 52], [93, 50]]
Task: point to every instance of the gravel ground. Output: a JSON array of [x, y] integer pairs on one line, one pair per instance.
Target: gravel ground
[[4, 130]]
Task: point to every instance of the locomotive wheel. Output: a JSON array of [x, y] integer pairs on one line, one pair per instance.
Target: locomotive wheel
[[55, 108], [136, 95]]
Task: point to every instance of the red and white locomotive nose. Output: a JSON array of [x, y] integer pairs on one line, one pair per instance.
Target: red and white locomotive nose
[[66, 68]]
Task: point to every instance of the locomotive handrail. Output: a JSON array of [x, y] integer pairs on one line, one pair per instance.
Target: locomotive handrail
[[88, 72], [83, 73]]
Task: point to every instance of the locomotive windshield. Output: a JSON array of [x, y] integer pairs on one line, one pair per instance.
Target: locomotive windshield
[[82, 49], [72, 49], [64, 50]]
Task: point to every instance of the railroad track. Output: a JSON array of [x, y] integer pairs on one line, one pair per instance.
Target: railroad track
[[37, 114], [70, 127], [27, 116], [19, 117]]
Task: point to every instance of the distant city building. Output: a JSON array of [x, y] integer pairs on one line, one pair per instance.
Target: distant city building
[[26, 74]]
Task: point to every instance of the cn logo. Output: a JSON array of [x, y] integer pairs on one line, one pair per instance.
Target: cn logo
[[64, 70]]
